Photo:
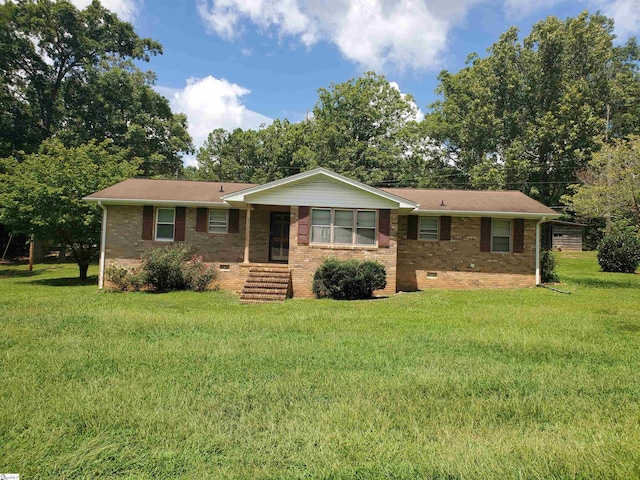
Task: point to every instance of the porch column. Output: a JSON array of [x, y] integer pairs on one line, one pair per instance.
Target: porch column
[[247, 233]]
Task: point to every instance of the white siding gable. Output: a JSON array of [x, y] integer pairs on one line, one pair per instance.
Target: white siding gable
[[320, 191]]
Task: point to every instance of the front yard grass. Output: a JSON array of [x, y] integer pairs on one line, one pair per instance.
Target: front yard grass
[[438, 384]]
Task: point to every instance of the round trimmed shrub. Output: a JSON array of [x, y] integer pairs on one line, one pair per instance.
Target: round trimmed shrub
[[619, 253], [348, 279]]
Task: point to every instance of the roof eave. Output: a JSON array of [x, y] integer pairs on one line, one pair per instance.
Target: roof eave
[[142, 201], [467, 213]]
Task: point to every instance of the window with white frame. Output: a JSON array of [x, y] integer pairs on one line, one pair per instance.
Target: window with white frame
[[428, 228], [500, 235], [218, 221], [165, 223], [343, 227]]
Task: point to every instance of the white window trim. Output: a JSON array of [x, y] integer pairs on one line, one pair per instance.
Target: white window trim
[[165, 223], [510, 235], [226, 226], [437, 230], [354, 233]]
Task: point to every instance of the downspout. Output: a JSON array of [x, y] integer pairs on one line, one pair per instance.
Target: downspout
[[542, 220], [103, 242]]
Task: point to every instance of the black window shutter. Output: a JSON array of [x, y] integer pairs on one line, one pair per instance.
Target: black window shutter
[[445, 228], [412, 227], [518, 235], [234, 220]]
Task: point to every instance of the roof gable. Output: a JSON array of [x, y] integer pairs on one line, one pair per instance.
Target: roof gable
[[319, 188]]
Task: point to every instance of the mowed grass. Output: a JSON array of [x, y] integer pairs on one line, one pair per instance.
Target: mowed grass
[[523, 383]]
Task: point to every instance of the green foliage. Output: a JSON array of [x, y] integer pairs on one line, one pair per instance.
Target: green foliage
[[185, 385], [172, 267], [620, 252], [72, 74], [42, 194], [124, 278], [528, 115], [363, 128], [548, 264], [611, 183], [198, 275], [348, 279]]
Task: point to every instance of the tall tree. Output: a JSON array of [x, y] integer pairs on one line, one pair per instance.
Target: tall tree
[[70, 73], [531, 113], [42, 195], [611, 183], [363, 128]]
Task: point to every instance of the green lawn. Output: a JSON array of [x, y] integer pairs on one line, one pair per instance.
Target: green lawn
[[439, 384]]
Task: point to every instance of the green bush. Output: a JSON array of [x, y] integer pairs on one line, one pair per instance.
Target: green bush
[[164, 269], [124, 278], [349, 279], [619, 252], [197, 274], [548, 267]]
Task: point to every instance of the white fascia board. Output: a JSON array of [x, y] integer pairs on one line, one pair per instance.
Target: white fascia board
[[171, 203], [463, 213], [240, 195]]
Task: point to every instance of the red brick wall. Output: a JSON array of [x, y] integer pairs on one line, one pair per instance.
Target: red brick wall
[[305, 259], [458, 263]]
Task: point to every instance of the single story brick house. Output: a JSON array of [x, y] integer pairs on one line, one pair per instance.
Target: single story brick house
[[425, 238]]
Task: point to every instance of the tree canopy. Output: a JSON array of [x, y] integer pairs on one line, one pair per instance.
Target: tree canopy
[[611, 183], [42, 195], [363, 128], [531, 113], [71, 74]]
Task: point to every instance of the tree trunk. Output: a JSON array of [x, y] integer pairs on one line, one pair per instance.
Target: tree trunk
[[83, 271]]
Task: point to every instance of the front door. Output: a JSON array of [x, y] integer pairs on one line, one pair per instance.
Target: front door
[[279, 237]]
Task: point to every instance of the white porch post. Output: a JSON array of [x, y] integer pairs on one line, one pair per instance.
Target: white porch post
[[247, 233]]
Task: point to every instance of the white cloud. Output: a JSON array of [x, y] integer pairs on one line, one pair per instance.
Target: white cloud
[[212, 103], [625, 13], [126, 9], [382, 34], [378, 34]]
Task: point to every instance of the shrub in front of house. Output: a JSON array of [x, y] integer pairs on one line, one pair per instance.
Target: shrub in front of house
[[619, 252], [348, 279], [164, 269], [548, 264], [124, 278]]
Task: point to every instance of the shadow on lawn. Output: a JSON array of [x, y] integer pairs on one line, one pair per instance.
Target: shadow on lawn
[[15, 273], [631, 281], [67, 282]]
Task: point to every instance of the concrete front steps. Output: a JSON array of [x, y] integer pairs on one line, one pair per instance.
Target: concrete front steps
[[267, 285]]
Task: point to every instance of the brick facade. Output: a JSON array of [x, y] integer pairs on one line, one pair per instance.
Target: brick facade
[[459, 263], [305, 259], [410, 264]]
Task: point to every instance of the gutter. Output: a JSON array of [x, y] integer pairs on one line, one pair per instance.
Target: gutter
[[542, 220], [103, 244]]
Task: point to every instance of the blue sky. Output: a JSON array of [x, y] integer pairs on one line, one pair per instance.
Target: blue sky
[[241, 63]]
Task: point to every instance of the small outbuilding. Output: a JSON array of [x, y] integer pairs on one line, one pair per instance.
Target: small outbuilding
[[559, 235]]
